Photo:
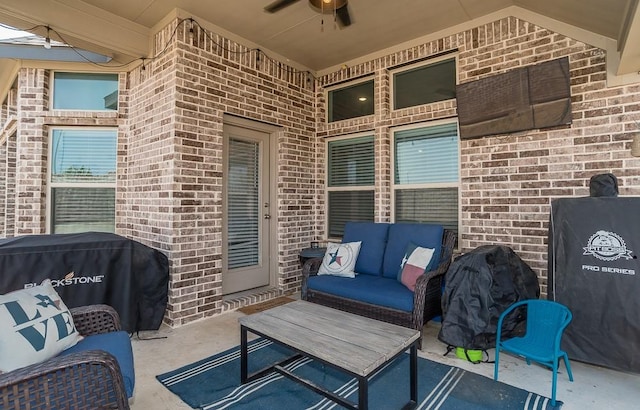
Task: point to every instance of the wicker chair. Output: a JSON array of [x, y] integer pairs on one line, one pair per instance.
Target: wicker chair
[[83, 380], [426, 300]]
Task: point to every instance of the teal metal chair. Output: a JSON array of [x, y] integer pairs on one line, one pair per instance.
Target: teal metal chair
[[546, 321]]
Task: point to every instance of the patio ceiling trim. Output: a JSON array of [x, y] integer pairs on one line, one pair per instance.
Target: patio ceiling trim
[[92, 28], [616, 75], [85, 26], [8, 72], [56, 53], [629, 41]]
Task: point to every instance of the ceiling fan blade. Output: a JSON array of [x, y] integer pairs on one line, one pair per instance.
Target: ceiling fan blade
[[278, 5], [343, 16]]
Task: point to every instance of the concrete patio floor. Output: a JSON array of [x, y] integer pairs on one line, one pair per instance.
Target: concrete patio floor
[[593, 387]]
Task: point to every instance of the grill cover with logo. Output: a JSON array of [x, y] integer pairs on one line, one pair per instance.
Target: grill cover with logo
[[90, 268], [595, 272]]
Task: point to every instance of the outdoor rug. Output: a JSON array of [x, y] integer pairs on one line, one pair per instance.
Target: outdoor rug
[[214, 383]]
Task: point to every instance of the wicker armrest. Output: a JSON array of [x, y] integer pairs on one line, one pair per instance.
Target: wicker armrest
[[81, 380], [426, 298], [310, 268], [94, 319]]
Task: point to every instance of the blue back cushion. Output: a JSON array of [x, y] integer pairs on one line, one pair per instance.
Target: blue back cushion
[[116, 343], [401, 234], [374, 240]]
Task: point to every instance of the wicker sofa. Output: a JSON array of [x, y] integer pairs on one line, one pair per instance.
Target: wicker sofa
[[376, 292], [85, 376]]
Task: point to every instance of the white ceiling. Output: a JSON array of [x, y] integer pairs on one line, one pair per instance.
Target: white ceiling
[[123, 28]]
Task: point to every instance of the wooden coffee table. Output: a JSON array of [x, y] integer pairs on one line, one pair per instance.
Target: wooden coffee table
[[354, 344]]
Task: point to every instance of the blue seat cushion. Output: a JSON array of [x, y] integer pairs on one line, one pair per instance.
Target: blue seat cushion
[[376, 290], [401, 234], [116, 343], [374, 239]]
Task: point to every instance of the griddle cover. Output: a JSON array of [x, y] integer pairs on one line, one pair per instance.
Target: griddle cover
[[90, 268]]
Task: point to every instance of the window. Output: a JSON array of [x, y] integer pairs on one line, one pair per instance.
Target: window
[[355, 100], [426, 175], [350, 182], [85, 91], [424, 84], [82, 180]]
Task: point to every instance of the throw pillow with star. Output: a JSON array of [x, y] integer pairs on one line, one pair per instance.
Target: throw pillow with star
[[340, 259], [416, 261], [35, 325]]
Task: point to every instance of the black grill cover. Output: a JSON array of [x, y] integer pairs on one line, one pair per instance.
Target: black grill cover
[[603, 185], [595, 272], [90, 268], [479, 286]]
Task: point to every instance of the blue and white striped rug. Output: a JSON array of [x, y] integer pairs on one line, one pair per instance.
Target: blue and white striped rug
[[214, 383]]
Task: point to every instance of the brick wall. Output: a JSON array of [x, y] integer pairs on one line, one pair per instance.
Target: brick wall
[[173, 194], [8, 176], [169, 189], [24, 144], [31, 151], [508, 181], [7, 163]]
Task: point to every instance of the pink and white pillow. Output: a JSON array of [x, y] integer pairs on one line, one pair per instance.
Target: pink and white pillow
[[415, 262]]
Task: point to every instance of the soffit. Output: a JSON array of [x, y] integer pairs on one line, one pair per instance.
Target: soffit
[[294, 32]]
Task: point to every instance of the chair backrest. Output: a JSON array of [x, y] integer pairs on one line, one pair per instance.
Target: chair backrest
[[374, 239], [401, 234], [546, 320]]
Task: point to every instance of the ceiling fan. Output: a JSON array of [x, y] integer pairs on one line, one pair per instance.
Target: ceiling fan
[[321, 6]]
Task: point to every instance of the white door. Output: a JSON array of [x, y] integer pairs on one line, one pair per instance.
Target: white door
[[246, 209]]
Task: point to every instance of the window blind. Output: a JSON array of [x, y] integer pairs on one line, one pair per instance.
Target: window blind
[[345, 206], [426, 155], [83, 155], [83, 209], [351, 162], [81, 158], [243, 193], [432, 205]]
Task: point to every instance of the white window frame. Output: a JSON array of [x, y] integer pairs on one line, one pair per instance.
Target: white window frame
[[343, 188], [419, 64], [52, 91], [395, 186], [51, 185], [346, 85]]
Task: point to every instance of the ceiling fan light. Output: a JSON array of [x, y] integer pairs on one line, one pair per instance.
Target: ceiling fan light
[[328, 6]]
